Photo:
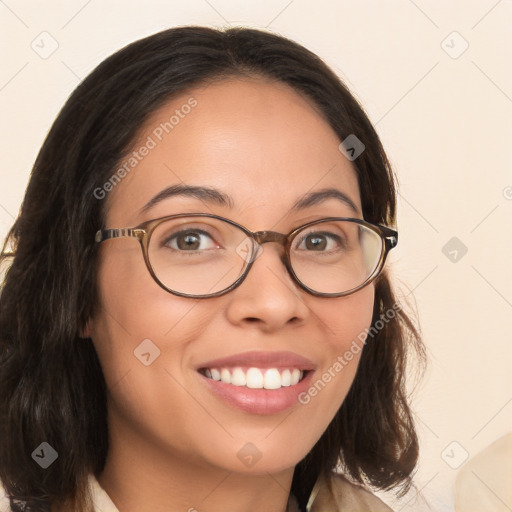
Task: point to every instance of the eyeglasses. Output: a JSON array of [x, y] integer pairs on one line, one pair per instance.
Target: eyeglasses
[[202, 255]]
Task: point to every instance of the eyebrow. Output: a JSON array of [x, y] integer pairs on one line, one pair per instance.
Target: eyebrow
[[317, 197], [208, 194], [213, 195]]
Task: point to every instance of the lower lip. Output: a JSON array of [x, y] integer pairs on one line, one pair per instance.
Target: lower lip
[[259, 401]]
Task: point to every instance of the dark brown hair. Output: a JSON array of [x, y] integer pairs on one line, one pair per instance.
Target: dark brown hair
[[51, 384]]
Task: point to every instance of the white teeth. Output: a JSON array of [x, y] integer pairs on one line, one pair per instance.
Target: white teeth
[[272, 379], [255, 378], [225, 376], [286, 378], [238, 377]]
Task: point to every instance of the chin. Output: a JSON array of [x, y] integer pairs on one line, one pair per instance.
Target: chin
[[262, 458]]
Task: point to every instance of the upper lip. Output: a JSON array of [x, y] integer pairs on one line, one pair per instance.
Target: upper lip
[[262, 360]]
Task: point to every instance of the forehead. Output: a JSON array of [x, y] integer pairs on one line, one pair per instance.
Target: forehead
[[258, 141]]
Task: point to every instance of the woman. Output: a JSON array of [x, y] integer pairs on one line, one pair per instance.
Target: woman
[[195, 315]]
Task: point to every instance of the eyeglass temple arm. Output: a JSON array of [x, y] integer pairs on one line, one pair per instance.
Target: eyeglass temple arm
[[105, 234], [390, 237]]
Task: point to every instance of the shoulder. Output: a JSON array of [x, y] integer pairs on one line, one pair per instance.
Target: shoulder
[[336, 493]]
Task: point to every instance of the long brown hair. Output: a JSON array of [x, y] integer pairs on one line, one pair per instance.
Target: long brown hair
[[51, 385]]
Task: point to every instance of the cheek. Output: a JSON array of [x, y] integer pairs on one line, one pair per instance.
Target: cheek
[[345, 318], [346, 321], [136, 317]]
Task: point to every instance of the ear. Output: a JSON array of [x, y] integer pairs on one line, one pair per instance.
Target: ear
[[86, 331]]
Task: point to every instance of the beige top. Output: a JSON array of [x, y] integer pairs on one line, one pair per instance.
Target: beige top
[[339, 496]]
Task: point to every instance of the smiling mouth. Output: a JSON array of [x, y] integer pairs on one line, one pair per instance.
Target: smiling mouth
[[256, 378]]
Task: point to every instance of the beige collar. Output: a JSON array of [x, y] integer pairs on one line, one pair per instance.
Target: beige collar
[[103, 503], [331, 495]]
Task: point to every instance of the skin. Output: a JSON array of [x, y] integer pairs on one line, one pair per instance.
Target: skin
[[174, 444]]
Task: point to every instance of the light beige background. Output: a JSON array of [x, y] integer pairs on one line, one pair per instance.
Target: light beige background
[[445, 117]]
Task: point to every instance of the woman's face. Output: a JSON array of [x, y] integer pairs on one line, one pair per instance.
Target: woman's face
[[265, 147]]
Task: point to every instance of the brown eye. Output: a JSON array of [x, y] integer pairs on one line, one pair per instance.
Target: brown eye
[[316, 243], [190, 240], [320, 241]]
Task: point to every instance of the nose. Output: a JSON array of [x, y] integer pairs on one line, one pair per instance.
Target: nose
[[268, 297]]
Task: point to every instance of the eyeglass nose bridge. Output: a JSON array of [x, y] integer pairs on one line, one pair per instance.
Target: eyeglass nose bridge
[[263, 237]]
